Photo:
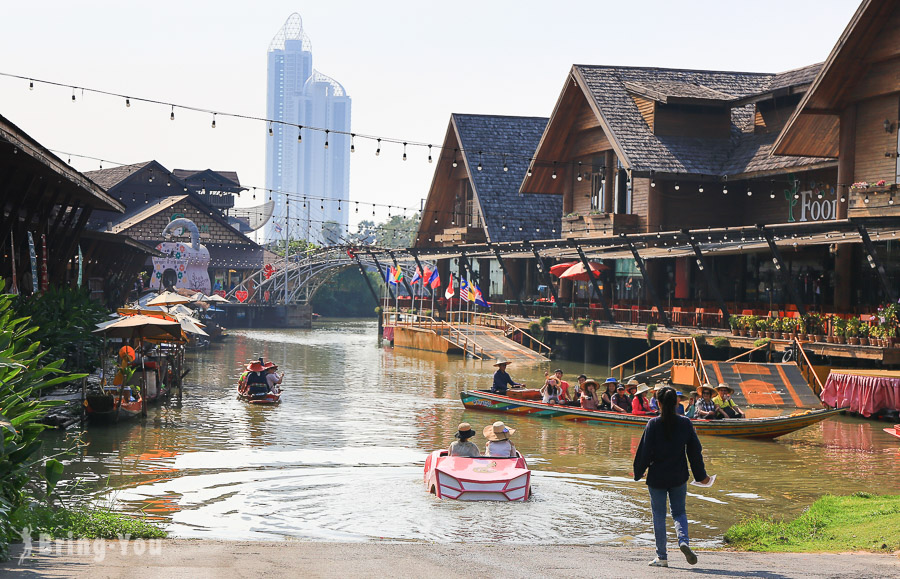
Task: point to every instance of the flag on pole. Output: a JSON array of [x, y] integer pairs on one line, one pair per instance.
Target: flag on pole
[[450, 293], [276, 226], [398, 275], [391, 276], [478, 298], [434, 281], [463, 289], [417, 277]]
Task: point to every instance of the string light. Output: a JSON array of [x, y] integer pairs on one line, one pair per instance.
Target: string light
[[73, 94], [127, 102], [214, 121], [404, 151], [352, 143], [700, 188], [326, 138], [172, 114], [479, 161], [30, 85], [553, 176], [378, 150], [271, 131], [429, 153], [749, 192], [579, 177], [677, 186]]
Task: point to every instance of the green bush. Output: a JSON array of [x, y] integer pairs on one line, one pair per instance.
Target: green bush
[[544, 321], [22, 374], [761, 342], [700, 339], [65, 319], [720, 342]]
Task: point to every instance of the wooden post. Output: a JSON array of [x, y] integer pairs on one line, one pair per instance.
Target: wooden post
[[710, 279], [597, 292], [845, 177], [786, 278], [542, 269], [663, 314]]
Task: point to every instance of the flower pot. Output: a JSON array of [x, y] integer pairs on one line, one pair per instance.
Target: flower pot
[[840, 340], [777, 335], [854, 341], [743, 332], [770, 335], [829, 339], [864, 341], [752, 333], [820, 337], [734, 331]]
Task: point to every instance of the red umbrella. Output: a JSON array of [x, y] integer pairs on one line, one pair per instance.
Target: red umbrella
[[577, 272], [559, 268]]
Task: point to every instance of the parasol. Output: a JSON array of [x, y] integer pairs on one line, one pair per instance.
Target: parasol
[[140, 326], [168, 299], [559, 268], [218, 299], [577, 273]]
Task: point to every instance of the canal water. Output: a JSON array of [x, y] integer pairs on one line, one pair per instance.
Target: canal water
[[341, 458]]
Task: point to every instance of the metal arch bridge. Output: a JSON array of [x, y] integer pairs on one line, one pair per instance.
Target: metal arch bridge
[[296, 280]]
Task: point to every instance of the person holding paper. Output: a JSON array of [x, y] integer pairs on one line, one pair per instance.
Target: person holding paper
[[668, 443]]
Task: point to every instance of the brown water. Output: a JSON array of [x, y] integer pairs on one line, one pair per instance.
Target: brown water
[[341, 458]]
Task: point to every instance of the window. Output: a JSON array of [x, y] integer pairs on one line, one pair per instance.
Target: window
[[598, 185], [623, 191]]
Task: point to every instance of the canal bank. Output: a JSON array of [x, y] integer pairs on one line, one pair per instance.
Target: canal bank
[[199, 559]]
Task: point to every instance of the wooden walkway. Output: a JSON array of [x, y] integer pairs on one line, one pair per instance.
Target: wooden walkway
[[492, 344]]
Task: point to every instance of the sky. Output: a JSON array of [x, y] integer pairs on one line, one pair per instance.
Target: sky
[[407, 65]]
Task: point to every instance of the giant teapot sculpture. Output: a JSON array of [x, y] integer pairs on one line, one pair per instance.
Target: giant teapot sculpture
[[184, 266]]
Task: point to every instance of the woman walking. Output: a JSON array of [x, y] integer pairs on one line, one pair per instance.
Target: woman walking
[[668, 443]]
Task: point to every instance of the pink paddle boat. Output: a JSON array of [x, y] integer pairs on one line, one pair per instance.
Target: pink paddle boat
[[895, 431], [477, 479]]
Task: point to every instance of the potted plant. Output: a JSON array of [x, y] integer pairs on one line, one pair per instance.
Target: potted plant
[[801, 328], [761, 326], [852, 331], [863, 334], [875, 335], [839, 330], [736, 323], [776, 328], [770, 328]]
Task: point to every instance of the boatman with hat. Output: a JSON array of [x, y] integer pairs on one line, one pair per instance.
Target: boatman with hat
[[502, 381]]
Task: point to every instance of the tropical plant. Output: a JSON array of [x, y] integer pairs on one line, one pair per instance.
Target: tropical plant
[[762, 324], [720, 342], [22, 375], [838, 326], [536, 330], [65, 319], [853, 325], [544, 321], [735, 321], [651, 329], [761, 342]]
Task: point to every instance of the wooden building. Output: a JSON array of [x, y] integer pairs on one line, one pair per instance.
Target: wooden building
[[642, 150], [42, 195], [851, 114], [153, 196], [474, 198]]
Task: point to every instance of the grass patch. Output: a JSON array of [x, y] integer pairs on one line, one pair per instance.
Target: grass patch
[[858, 522], [84, 522]]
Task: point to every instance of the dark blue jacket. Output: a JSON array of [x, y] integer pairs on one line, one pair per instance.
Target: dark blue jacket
[[666, 455], [501, 382]]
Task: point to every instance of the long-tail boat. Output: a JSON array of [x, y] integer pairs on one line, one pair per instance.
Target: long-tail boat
[[769, 427]]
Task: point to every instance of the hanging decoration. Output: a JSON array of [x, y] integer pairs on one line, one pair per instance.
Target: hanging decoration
[[12, 250], [34, 271], [45, 278]]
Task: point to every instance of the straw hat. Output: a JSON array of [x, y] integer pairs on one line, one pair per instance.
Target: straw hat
[[642, 388], [501, 362], [464, 431], [724, 386], [255, 367], [632, 382], [706, 387], [498, 431], [590, 383]]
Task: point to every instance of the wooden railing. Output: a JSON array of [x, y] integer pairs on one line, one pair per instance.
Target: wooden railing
[[671, 350], [443, 329], [806, 369], [499, 322]]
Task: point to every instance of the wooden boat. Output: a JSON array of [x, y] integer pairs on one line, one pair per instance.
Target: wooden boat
[[109, 407], [769, 427], [895, 431], [264, 398], [477, 478]]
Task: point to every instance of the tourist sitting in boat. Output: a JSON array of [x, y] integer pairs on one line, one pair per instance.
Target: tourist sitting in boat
[[654, 403], [498, 443], [639, 404], [605, 402], [691, 408], [502, 380], [272, 377], [620, 402], [566, 397], [706, 408], [550, 391], [679, 408], [463, 447], [726, 406], [256, 379], [589, 399]]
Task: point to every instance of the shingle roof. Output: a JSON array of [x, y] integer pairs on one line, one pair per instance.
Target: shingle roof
[[663, 90], [135, 218], [504, 209], [742, 152], [189, 174], [109, 178], [796, 77]]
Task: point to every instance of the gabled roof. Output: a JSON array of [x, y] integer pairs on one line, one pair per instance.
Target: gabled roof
[[508, 214], [90, 193], [190, 176], [610, 91], [113, 176], [813, 129], [147, 213]]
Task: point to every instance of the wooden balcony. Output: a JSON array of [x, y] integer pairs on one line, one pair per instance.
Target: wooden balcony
[[457, 235], [599, 225]]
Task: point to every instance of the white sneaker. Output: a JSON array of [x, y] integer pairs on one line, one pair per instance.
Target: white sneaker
[[688, 554], [659, 562]]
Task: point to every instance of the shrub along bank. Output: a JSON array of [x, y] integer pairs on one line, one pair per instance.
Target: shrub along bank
[[858, 522]]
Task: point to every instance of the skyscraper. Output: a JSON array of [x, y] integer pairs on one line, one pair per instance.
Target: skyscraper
[[307, 170]]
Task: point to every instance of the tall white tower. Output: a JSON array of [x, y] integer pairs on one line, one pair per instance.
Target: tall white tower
[[310, 183]]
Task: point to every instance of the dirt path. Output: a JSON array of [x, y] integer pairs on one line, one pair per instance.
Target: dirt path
[[196, 559]]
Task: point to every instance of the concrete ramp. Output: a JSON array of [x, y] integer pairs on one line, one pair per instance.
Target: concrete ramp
[[780, 385]]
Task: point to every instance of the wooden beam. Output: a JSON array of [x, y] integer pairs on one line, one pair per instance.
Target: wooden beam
[[10, 220]]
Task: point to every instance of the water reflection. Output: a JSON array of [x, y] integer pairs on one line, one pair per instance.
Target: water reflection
[[341, 458]]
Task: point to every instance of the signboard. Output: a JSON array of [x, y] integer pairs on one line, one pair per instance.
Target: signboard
[[818, 203]]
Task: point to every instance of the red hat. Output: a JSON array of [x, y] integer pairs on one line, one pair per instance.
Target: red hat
[[270, 365], [255, 367]]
